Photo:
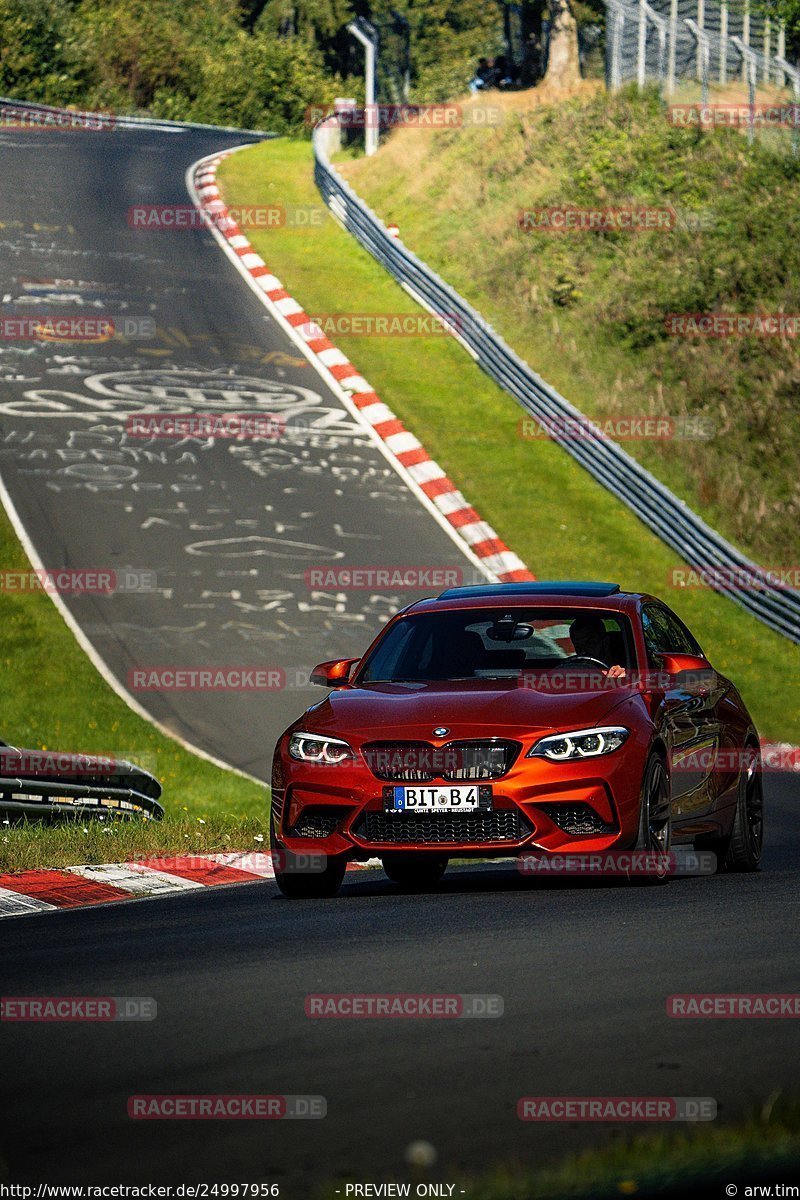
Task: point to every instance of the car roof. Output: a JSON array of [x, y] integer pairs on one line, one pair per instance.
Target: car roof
[[544, 593], [540, 587]]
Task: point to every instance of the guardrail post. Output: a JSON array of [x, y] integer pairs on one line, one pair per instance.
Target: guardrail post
[[703, 56], [701, 24], [673, 36], [641, 53], [615, 72], [794, 75], [780, 78], [751, 69], [662, 50]]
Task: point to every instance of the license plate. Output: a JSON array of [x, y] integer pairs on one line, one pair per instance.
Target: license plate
[[437, 798]]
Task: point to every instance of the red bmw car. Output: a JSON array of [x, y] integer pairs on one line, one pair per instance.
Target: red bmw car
[[513, 719]]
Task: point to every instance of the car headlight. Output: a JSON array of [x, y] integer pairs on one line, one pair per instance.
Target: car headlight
[[582, 743], [314, 747]]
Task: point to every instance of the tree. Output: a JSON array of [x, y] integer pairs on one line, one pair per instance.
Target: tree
[[563, 61], [33, 56]]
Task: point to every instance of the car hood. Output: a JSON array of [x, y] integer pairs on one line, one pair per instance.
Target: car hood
[[473, 709]]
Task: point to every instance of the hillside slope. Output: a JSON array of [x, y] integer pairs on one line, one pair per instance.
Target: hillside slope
[[588, 309]]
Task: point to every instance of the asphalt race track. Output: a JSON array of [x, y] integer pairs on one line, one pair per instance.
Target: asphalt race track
[[584, 972], [584, 969], [216, 537]]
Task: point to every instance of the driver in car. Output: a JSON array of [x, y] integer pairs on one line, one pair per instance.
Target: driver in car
[[590, 639]]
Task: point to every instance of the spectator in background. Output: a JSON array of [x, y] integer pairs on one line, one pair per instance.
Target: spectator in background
[[502, 72], [484, 76]]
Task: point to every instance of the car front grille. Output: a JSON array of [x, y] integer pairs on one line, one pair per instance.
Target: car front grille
[[500, 825], [420, 762], [577, 819]]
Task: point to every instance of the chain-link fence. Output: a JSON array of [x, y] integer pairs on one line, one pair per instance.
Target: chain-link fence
[[717, 53]]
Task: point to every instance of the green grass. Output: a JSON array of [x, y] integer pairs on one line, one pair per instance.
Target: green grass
[[54, 699], [552, 513], [705, 1156]]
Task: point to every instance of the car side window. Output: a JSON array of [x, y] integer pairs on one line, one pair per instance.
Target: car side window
[[664, 633], [655, 632], [680, 634]]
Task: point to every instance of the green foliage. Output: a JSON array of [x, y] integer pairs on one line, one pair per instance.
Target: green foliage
[[34, 61], [139, 50], [183, 59], [447, 38], [263, 81], [318, 19], [247, 62]]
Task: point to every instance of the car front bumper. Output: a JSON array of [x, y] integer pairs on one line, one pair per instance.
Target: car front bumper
[[588, 805]]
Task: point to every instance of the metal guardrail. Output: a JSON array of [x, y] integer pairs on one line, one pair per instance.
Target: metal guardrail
[[670, 518], [110, 121], [47, 799], [43, 784]]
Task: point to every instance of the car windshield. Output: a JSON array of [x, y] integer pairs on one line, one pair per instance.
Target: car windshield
[[495, 644]]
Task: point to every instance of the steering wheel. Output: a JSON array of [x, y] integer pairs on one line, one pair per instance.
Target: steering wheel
[[587, 658]]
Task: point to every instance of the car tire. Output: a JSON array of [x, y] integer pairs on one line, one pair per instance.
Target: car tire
[[415, 871], [741, 850], [307, 885], [655, 816], [296, 884]]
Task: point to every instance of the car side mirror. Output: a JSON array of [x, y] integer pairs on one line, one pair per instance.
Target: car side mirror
[[690, 673], [334, 673], [676, 664]]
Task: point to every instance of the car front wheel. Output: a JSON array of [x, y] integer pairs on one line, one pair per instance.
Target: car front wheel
[[306, 876], [655, 817]]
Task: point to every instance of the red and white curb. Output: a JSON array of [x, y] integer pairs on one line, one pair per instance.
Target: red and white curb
[[39, 891], [477, 539]]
